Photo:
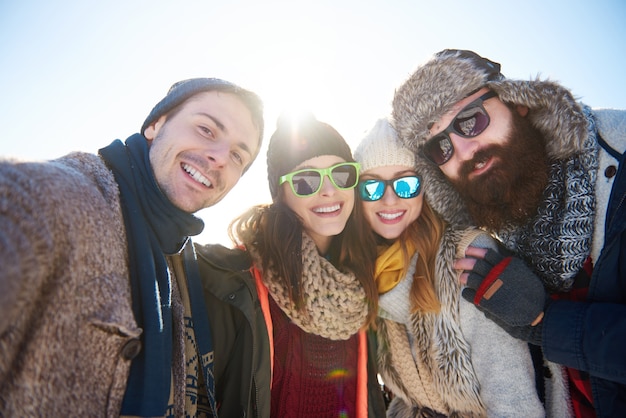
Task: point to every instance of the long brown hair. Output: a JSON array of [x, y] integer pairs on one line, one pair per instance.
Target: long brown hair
[[426, 234], [275, 233]]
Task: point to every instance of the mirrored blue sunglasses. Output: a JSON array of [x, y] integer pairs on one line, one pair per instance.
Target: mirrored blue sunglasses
[[406, 187]]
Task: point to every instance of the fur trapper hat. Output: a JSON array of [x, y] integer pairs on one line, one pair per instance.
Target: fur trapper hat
[[381, 147], [451, 75]]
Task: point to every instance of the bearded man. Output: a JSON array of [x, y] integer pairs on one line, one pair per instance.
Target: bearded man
[[545, 174]]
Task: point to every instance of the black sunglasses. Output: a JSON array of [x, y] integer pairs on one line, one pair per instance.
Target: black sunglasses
[[471, 121], [406, 187]]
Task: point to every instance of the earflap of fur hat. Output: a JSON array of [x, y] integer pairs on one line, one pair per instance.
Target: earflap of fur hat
[[552, 109], [441, 195], [434, 88], [381, 147]]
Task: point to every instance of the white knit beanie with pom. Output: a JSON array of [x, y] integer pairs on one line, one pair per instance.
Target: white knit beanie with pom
[[381, 147]]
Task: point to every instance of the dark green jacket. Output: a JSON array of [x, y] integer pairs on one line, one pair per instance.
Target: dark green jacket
[[241, 343], [242, 353]]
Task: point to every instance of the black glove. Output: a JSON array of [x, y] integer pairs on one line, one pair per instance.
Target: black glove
[[507, 290]]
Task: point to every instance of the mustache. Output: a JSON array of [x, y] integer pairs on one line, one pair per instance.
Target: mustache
[[480, 156]]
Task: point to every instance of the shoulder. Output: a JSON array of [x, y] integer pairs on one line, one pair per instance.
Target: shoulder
[[69, 172], [611, 124], [219, 257], [77, 182]]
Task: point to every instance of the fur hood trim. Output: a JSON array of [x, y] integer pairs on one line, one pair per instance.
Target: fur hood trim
[[442, 376]]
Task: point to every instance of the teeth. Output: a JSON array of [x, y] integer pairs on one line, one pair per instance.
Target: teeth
[[389, 216], [196, 175], [327, 209], [480, 165]]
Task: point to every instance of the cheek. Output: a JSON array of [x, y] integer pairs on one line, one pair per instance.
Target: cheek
[[451, 168], [416, 208], [369, 212], [349, 201]]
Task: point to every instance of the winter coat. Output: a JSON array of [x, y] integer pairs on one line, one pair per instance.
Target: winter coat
[[242, 345], [68, 334], [67, 331], [240, 339], [457, 362], [591, 336]]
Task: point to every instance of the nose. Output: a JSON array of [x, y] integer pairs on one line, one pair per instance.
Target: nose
[[327, 187], [389, 196], [218, 153], [464, 148]]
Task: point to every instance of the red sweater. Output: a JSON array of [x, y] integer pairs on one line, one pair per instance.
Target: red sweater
[[313, 376]]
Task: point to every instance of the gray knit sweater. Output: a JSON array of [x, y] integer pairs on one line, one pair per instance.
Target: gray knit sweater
[[460, 363]]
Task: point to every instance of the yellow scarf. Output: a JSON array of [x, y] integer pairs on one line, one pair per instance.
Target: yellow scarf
[[390, 265]]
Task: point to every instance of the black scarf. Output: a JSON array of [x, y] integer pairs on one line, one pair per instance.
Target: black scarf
[[154, 227]]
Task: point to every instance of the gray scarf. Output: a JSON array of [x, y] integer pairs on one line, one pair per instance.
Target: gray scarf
[[557, 241]]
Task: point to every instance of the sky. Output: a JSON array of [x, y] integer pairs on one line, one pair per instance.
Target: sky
[[77, 74]]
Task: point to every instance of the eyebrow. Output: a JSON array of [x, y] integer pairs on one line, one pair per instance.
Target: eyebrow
[[222, 128]]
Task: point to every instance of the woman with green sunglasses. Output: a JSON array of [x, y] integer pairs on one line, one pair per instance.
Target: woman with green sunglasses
[[312, 275], [438, 355]]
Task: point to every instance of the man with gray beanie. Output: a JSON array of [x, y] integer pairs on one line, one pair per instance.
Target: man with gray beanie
[[101, 308], [546, 175]]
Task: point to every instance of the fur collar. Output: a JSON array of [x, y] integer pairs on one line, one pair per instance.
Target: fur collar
[[438, 341]]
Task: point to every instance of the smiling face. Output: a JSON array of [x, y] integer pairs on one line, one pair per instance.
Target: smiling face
[[465, 149], [391, 215], [325, 213], [199, 153], [501, 173]]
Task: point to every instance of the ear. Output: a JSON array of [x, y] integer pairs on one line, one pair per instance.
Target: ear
[[522, 110], [153, 129]]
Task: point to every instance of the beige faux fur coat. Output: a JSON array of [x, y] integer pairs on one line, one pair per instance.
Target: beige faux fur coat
[[67, 331]]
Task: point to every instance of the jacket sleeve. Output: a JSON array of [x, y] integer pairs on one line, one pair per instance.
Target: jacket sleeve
[[26, 239], [587, 336]]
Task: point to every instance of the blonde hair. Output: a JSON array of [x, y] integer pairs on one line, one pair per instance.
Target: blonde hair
[[426, 234]]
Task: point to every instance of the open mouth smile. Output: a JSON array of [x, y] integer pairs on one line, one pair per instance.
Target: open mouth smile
[[328, 209], [195, 174]]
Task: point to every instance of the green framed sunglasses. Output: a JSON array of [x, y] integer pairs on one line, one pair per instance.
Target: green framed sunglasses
[[308, 181]]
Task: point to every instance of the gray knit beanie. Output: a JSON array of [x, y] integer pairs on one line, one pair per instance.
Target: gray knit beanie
[[299, 139], [185, 89], [381, 147]]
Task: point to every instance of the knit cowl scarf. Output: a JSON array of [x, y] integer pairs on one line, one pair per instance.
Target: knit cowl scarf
[[335, 303], [557, 241], [154, 227]]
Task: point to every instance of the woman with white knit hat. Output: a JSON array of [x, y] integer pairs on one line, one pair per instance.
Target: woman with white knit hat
[[437, 353]]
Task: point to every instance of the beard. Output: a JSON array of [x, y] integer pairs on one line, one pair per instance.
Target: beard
[[508, 194]]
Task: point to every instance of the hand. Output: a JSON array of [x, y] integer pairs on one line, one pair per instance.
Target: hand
[[502, 287]]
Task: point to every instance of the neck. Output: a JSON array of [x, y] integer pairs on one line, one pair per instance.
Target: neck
[[322, 243]]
